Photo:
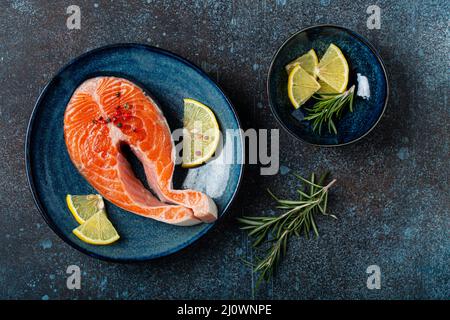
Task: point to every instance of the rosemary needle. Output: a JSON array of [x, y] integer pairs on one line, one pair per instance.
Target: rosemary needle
[[328, 108], [275, 231]]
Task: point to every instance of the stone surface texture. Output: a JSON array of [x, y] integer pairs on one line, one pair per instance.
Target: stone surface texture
[[392, 196]]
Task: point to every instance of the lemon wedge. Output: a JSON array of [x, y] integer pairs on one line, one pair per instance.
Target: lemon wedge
[[333, 71], [201, 133], [84, 206], [325, 88], [308, 62], [97, 230], [301, 86]]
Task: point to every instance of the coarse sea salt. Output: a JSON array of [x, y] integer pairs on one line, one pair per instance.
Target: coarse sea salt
[[363, 87]]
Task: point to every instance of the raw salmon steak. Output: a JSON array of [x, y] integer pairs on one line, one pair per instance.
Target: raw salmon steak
[[103, 115]]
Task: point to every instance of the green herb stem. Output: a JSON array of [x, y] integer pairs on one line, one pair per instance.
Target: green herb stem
[[329, 108], [275, 231]]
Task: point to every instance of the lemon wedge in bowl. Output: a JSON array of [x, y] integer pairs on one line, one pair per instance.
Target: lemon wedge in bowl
[[325, 88], [308, 62], [84, 206], [201, 134], [333, 71], [301, 86], [97, 230]]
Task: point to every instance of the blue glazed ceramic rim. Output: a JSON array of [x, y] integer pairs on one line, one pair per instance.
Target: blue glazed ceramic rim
[[29, 171], [367, 44]]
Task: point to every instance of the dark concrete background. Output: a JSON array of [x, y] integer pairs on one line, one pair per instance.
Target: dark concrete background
[[392, 196]]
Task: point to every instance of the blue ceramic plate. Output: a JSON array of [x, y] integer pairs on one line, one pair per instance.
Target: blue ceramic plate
[[52, 175], [362, 59]]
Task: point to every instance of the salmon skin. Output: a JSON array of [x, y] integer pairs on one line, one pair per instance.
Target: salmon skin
[[103, 114]]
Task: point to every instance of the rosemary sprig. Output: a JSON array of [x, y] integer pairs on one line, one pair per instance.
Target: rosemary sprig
[[329, 107], [298, 219]]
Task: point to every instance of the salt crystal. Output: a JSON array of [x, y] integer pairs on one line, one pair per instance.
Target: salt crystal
[[363, 87]]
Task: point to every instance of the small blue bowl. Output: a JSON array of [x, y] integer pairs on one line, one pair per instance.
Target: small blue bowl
[[362, 59]]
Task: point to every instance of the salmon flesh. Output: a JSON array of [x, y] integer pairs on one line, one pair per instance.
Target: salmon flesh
[[103, 114]]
